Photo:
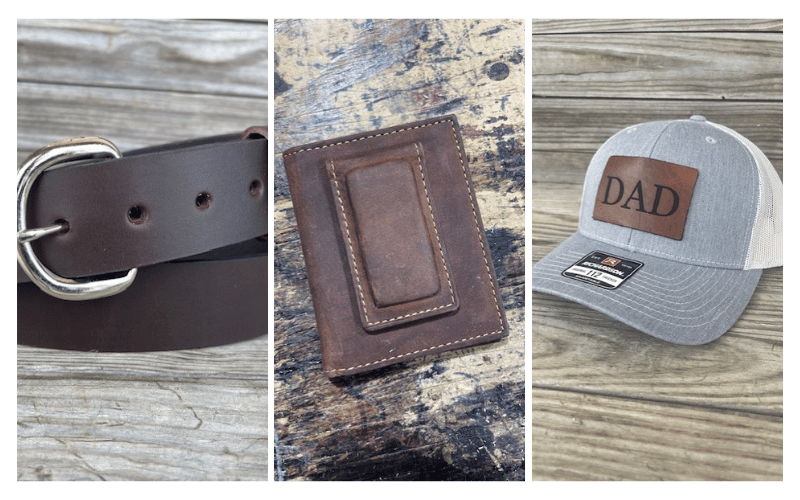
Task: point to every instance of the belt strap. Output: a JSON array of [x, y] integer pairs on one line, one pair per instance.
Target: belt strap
[[191, 216]]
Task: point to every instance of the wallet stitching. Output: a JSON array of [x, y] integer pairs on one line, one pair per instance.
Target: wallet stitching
[[349, 241], [477, 228], [355, 264], [370, 137], [480, 241], [415, 352], [435, 232]]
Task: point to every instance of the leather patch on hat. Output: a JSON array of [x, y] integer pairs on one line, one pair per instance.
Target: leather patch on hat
[[645, 194]]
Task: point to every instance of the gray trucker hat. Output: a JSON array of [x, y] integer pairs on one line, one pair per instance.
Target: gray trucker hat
[[678, 218]]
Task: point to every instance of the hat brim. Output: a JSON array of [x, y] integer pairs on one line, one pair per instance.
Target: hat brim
[[672, 301]]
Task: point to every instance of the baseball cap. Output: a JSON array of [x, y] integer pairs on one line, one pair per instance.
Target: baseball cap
[[678, 219]]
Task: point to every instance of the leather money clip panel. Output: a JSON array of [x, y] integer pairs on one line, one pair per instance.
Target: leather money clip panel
[[396, 256]]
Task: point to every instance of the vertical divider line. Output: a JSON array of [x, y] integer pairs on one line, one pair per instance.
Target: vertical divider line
[[271, 447], [527, 43]]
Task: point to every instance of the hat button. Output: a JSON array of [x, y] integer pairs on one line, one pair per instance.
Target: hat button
[[698, 118]]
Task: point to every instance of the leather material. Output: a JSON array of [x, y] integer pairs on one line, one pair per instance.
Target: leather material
[[397, 259], [191, 216], [394, 246], [645, 194], [164, 182]]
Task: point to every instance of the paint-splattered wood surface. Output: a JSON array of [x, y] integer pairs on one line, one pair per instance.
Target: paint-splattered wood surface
[[197, 414], [608, 401], [454, 416]]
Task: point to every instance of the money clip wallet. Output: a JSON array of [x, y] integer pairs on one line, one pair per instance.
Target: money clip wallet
[[397, 259]]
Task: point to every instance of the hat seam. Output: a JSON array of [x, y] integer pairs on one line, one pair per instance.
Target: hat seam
[[667, 125]]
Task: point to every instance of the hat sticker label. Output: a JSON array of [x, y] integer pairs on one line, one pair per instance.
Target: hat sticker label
[[645, 194], [603, 270]]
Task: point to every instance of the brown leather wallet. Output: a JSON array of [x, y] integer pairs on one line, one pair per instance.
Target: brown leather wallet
[[395, 251], [180, 227]]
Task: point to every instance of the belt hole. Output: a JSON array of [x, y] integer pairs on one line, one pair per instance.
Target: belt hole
[[256, 187], [64, 226], [137, 214], [203, 201]]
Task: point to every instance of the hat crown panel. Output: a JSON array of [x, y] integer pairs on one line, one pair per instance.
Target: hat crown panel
[[723, 205]]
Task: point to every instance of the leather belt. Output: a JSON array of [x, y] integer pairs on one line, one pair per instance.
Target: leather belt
[[168, 244]]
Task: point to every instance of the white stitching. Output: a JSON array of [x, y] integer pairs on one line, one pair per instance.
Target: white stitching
[[477, 231], [355, 265], [414, 352], [349, 241], [368, 137], [477, 228], [441, 255]]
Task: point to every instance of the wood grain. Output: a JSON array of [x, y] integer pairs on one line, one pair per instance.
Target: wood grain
[[582, 125], [716, 65], [199, 57], [456, 416], [570, 26], [198, 414], [111, 430], [49, 112], [610, 403], [583, 436]]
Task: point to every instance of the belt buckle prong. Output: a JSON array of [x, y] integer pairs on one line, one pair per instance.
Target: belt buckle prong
[[50, 157]]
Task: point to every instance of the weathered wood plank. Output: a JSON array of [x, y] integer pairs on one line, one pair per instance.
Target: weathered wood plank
[[719, 66], [128, 117], [240, 361], [206, 57], [101, 429], [579, 436], [362, 76], [459, 415], [583, 125], [561, 26], [193, 414]]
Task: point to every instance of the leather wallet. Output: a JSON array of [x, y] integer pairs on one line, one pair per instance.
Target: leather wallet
[[397, 259]]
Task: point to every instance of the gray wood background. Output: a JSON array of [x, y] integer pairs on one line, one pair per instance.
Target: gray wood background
[[609, 402], [457, 416], [196, 414]]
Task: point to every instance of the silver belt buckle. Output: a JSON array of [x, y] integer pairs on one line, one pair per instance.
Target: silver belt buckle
[[53, 156]]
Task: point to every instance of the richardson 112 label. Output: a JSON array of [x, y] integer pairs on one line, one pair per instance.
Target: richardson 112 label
[[603, 270]]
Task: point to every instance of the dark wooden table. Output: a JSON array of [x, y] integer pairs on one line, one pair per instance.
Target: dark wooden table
[[458, 416], [197, 414], [609, 402]]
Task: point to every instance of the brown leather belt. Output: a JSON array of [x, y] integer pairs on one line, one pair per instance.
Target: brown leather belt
[[167, 243]]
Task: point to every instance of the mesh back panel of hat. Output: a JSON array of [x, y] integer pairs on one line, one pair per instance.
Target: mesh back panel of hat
[[766, 243]]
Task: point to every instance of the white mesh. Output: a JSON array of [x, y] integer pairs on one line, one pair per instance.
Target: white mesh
[[766, 241]]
